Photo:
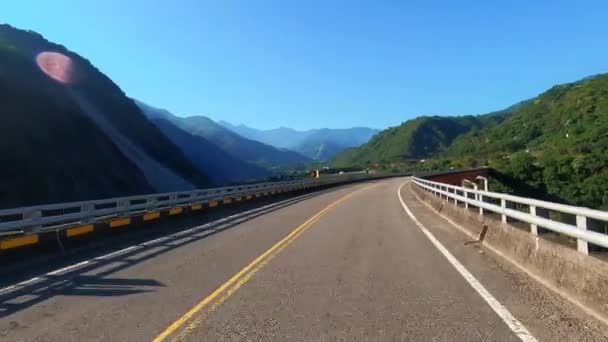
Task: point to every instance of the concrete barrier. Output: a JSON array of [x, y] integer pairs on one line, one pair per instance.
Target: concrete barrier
[[579, 278]]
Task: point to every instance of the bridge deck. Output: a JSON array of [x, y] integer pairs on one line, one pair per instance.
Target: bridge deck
[[361, 269]]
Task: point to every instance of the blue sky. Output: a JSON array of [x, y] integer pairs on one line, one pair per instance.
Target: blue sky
[[322, 63]]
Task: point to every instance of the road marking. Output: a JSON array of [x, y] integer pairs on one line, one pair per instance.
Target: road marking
[[241, 277], [139, 246], [71, 267], [518, 329], [227, 294]]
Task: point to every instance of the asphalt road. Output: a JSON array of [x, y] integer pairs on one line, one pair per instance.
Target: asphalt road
[[346, 264]]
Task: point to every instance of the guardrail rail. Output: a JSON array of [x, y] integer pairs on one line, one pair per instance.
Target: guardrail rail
[[536, 213], [26, 221]]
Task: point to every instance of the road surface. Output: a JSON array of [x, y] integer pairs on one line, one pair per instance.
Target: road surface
[[347, 264]]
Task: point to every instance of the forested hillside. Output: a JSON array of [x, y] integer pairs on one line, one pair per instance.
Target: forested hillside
[[552, 146], [557, 143], [415, 139]]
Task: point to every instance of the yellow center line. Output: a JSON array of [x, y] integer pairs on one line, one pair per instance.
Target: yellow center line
[[241, 277]]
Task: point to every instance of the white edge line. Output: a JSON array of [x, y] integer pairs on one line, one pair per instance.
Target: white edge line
[[24, 283], [518, 329], [61, 270], [522, 268]]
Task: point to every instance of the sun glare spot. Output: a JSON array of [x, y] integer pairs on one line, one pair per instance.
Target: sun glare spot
[[57, 66]]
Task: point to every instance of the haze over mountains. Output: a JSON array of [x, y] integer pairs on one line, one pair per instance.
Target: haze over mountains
[[208, 157], [317, 144]]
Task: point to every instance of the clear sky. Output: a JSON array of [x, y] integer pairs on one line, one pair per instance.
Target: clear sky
[[323, 63]]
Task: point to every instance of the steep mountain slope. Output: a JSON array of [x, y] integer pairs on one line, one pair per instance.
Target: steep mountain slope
[[318, 144], [237, 146], [417, 138], [210, 159], [69, 133]]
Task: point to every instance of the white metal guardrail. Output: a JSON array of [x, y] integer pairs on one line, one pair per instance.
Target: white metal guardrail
[[537, 215], [54, 217]]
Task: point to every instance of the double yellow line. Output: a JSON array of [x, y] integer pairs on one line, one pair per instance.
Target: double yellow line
[[228, 288]]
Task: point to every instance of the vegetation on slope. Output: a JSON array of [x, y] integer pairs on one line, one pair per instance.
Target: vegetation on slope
[[51, 151], [414, 139], [554, 146], [557, 143]]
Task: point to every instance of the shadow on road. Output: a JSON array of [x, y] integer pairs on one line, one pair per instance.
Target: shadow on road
[[89, 276]]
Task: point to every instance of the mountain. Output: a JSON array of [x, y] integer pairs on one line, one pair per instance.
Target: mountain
[[553, 146], [418, 138], [556, 143], [318, 144], [237, 146], [69, 133], [209, 158]]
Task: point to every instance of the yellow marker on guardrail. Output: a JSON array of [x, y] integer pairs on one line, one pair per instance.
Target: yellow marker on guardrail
[[120, 222], [151, 216], [176, 211], [196, 207], [77, 231], [20, 241], [213, 204]]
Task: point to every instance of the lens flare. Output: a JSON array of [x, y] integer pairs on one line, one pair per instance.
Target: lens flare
[[57, 66]]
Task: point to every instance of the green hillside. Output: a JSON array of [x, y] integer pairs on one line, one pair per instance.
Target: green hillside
[[554, 146], [419, 138], [556, 143]]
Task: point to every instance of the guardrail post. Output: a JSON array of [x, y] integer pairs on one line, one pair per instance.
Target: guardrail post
[[455, 199], [32, 215], [123, 207], [87, 208], [539, 212], [151, 203], [581, 245], [503, 204], [480, 208], [466, 204], [533, 227]]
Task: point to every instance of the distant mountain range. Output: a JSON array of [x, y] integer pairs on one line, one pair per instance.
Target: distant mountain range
[[236, 146], [317, 144], [69, 133], [208, 157]]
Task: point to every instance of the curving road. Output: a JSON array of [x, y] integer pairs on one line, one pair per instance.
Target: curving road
[[345, 264]]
